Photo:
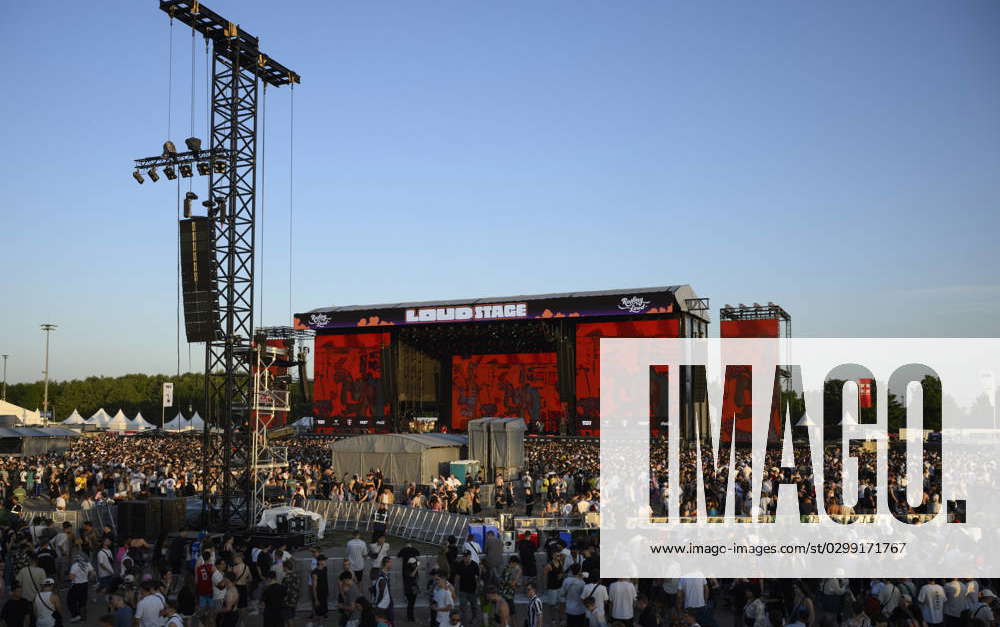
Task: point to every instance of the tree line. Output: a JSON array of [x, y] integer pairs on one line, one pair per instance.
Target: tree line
[[131, 393]]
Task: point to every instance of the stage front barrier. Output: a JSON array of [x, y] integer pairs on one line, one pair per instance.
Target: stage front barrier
[[99, 515], [422, 525], [541, 523]]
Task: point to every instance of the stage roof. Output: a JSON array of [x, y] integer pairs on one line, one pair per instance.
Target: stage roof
[[638, 301]]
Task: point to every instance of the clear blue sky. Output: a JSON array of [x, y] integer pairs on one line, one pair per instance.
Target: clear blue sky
[[841, 159]]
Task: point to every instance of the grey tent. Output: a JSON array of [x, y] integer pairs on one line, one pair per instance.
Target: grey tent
[[402, 457], [497, 443]]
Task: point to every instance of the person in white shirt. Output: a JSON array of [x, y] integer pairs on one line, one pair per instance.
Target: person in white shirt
[[79, 575], [931, 600], [694, 594], [147, 610], [954, 603], [443, 600], [357, 550], [622, 596], [105, 566], [378, 551], [597, 594], [218, 589], [971, 593], [473, 548], [570, 594]]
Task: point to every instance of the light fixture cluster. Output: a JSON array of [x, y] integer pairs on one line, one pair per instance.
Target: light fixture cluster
[[189, 162]]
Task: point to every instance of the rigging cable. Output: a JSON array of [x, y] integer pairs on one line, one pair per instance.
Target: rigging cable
[[194, 76], [263, 159], [170, 100], [291, 194]]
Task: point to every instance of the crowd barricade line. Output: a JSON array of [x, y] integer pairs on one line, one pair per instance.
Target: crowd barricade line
[[417, 524]]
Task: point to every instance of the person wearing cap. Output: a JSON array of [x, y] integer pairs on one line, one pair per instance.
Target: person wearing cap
[[46, 604], [319, 585], [981, 614], [411, 585], [79, 575]]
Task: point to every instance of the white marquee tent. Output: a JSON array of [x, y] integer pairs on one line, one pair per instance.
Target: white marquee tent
[[119, 422], [74, 419], [141, 424], [179, 423], [24, 416], [99, 419], [197, 423]]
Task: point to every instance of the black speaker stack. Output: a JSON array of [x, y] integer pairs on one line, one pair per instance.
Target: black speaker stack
[[148, 519], [199, 279]]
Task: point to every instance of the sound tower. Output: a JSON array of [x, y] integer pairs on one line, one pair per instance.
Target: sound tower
[[198, 279]]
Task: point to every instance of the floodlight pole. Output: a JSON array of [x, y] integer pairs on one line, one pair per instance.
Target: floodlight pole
[[3, 395], [47, 327]]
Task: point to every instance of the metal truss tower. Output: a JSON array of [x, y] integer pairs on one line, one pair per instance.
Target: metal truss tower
[[238, 69]]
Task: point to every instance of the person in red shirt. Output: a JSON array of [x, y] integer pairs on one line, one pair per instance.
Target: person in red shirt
[[203, 582]]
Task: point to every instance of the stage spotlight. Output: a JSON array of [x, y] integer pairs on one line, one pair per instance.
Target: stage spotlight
[[168, 149], [169, 172], [220, 167], [186, 170], [204, 167], [188, 197], [153, 175], [193, 144], [137, 176]]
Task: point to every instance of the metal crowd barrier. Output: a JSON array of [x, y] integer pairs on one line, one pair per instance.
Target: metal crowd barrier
[[99, 515], [422, 525]]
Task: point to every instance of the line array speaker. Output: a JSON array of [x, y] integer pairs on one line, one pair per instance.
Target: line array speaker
[[199, 279]]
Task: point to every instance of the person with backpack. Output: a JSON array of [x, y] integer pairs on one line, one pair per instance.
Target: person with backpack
[[381, 593], [596, 592]]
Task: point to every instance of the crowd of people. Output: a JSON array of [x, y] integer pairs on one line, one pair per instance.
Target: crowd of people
[[51, 570]]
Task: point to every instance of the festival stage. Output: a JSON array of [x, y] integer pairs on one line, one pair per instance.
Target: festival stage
[[390, 367]]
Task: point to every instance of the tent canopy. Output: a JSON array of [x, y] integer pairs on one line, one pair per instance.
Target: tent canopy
[[196, 422], [100, 418], [118, 423], [74, 419], [178, 423], [141, 424], [402, 457]]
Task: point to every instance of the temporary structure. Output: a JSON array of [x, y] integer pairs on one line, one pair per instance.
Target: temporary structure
[[74, 419], [100, 419], [141, 424], [24, 416], [196, 422], [179, 423], [402, 457], [119, 423], [498, 443]]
